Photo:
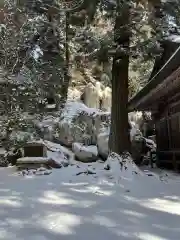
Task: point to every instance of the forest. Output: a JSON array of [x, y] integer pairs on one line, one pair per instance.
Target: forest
[[75, 162]]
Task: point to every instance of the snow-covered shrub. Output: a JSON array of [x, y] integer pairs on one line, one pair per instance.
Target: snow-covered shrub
[[17, 130], [47, 126]]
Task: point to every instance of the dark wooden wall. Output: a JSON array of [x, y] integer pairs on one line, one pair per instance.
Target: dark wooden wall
[[168, 134]]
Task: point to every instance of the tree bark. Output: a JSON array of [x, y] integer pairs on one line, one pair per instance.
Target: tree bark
[[65, 85], [119, 136]]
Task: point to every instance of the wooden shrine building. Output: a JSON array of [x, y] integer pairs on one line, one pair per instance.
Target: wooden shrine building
[[161, 96]]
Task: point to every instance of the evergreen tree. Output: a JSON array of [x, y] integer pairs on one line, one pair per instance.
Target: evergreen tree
[[119, 137]]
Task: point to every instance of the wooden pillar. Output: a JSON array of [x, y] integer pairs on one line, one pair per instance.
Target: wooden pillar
[[169, 131]]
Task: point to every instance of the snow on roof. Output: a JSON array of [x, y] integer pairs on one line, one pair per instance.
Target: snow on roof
[[174, 38]]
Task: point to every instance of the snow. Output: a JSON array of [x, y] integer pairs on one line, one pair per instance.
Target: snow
[[32, 160], [120, 203], [73, 108], [51, 106]]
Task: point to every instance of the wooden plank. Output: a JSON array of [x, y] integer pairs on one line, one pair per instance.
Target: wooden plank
[[170, 151], [168, 128]]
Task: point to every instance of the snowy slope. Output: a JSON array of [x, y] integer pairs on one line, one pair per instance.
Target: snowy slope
[[108, 204]]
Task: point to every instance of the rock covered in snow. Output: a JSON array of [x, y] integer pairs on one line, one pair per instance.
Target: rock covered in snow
[[53, 164], [121, 166], [59, 153], [89, 126], [85, 153], [103, 143], [76, 124]]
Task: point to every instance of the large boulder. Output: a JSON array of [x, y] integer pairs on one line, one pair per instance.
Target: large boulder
[[59, 153], [76, 125], [85, 153]]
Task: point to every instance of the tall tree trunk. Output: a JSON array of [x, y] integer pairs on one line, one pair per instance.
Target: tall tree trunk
[[65, 84], [119, 137]]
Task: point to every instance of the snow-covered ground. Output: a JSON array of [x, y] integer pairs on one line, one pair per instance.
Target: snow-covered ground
[[106, 204]]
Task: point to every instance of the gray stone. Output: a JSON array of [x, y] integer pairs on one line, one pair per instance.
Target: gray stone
[[85, 153]]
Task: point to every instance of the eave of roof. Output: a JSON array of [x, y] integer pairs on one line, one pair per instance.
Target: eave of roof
[[136, 101]]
